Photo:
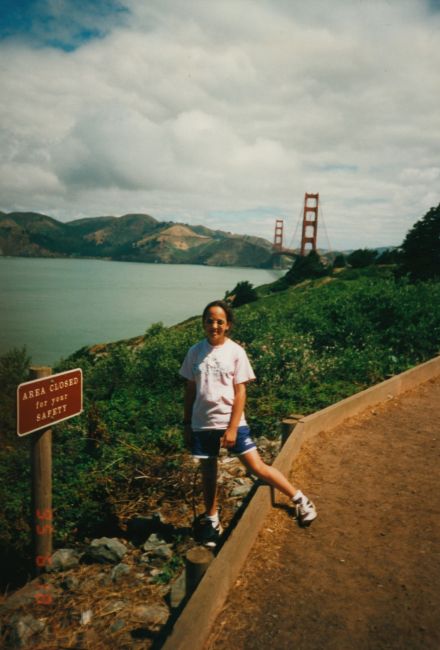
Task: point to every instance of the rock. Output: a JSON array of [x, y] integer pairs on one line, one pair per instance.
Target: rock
[[155, 547], [177, 591], [153, 542], [63, 559], [70, 583], [106, 549], [119, 571], [153, 616], [86, 617], [117, 625], [155, 572], [103, 579], [22, 597], [241, 490], [163, 552], [22, 628], [113, 606]]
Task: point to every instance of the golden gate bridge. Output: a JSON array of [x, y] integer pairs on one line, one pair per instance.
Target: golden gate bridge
[[309, 233]]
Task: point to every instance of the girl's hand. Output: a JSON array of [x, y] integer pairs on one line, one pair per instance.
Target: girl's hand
[[229, 438]]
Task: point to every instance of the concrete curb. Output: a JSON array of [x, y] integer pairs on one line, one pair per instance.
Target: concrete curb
[[194, 624]]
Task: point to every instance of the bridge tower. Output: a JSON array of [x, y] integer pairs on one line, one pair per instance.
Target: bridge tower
[[310, 223], [278, 236]]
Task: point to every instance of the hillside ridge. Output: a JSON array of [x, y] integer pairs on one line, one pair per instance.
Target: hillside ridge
[[131, 238]]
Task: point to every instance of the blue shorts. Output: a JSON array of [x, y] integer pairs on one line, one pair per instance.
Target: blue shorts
[[206, 443]]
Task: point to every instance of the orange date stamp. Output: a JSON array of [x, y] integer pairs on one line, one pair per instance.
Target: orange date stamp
[[44, 527]]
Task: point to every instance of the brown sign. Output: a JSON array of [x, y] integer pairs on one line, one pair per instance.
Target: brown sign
[[47, 401]]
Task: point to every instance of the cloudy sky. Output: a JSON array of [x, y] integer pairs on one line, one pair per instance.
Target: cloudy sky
[[224, 112]]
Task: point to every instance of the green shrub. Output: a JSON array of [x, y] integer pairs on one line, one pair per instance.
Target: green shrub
[[310, 346]]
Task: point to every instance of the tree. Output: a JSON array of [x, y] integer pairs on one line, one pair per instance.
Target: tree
[[339, 261], [389, 256], [361, 258], [243, 293], [14, 369], [306, 267], [420, 252]]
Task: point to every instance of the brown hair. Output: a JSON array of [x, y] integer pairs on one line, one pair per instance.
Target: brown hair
[[226, 308]]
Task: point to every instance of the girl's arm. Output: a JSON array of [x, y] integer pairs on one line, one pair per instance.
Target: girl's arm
[[230, 435]]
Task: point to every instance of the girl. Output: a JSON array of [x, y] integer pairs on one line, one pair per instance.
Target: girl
[[217, 370]]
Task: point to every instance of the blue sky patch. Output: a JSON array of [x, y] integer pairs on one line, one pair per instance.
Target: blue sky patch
[[61, 24]]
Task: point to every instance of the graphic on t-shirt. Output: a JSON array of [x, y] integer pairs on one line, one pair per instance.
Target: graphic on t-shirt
[[212, 367]]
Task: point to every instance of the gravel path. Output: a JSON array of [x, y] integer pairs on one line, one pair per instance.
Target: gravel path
[[366, 574]]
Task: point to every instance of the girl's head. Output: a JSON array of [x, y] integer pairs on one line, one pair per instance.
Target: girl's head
[[217, 321]]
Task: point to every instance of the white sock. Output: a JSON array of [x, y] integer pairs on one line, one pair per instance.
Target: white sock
[[298, 496], [214, 519]]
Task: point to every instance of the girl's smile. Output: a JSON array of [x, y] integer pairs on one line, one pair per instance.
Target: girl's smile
[[216, 325]]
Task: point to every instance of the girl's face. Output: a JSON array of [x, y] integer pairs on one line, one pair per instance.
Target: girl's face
[[216, 325]]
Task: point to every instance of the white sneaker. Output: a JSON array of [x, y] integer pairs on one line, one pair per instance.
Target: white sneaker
[[207, 533], [305, 511]]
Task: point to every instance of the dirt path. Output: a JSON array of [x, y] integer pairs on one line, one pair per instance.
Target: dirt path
[[366, 574]]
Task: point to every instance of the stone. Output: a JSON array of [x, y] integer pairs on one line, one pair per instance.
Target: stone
[[63, 559], [113, 606], [22, 597], [23, 628], [178, 590], [152, 616], [240, 490], [119, 571], [106, 549], [153, 542], [163, 552], [117, 625], [103, 579], [86, 617], [70, 583], [155, 547]]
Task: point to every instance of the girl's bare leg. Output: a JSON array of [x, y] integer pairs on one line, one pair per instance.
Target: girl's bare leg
[[253, 462], [209, 484]]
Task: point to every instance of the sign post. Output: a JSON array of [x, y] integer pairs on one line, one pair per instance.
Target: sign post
[[41, 402], [41, 477]]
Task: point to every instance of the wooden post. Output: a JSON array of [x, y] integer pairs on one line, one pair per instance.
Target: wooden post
[[198, 560], [41, 476], [288, 425]]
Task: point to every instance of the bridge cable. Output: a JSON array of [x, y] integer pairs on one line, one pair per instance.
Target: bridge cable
[[325, 230], [292, 240]]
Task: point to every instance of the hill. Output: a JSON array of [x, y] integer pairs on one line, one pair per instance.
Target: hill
[[131, 238]]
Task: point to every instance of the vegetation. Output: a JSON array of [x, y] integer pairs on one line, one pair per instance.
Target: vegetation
[[361, 258], [339, 262], [243, 293], [303, 268], [310, 344], [421, 248]]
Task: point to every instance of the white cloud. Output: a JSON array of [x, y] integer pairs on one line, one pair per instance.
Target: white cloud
[[191, 110]]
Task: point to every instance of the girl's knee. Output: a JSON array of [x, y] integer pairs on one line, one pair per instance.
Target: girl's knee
[[258, 467]]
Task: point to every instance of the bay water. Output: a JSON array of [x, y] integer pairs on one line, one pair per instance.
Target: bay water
[[56, 306]]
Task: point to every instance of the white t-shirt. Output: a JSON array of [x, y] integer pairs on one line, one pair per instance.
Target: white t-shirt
[[215, 369]]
